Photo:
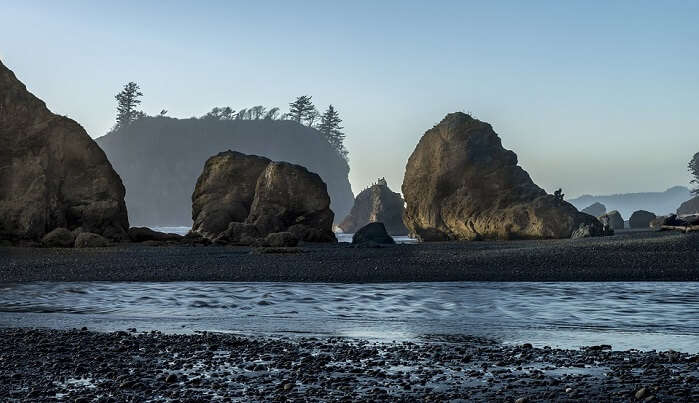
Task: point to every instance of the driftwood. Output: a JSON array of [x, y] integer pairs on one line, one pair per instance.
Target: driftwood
[[689, 228]]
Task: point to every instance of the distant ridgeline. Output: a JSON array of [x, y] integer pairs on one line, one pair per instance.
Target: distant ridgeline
[[160, 158], [660, 203]]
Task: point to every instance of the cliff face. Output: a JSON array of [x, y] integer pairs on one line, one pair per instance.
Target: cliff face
[[376, 204], [160, 159], [52, 174], [460, 183]]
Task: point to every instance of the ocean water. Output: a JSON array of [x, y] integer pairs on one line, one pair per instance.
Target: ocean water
[[638, 315]]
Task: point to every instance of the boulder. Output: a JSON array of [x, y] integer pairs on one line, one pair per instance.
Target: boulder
[[281, 239], [595, 209], [641, 219], [90, 240], [691, 206], [143, 234], [240, 199], [615, 220], [374, 232], [58, 238], [460, 183], [52, 174], [377, 204]]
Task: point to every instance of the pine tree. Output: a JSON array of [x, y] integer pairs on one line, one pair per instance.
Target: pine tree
[[127, 101], [299, 110], [694, 171], [330, 128]]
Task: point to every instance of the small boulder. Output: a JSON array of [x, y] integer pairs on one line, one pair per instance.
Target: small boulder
[[615, 220], [374, 232], [587, 231], [280, 239], [641, 219], [90, 240], [58, 238]]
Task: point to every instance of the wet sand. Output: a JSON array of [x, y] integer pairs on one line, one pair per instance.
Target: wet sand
[[628, 256], [81, 366]]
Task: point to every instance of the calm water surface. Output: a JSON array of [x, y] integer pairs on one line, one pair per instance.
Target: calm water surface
[[626, 315]]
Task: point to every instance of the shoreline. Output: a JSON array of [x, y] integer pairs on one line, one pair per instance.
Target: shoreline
[[82, 365], [628, 256]]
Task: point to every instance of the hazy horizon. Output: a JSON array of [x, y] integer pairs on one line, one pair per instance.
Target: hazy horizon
[[588, 104]]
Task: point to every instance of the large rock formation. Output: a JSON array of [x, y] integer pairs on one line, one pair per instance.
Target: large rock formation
[[595, 209], [240, 199], [460, 183], [626, 203], [52, 174], [160, 159], [376, 204], [616, 221], [691, 206], [641, 219]]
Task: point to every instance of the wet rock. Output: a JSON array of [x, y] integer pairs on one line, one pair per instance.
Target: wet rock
[[90, 240], [375, 233], [52, 173], [460, 183], [281, 239], [641, 393], [58, 238]]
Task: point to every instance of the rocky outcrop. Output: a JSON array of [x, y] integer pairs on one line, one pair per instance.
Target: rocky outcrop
[[52, 174], [160, 159], [376, 204], [460, 183], [241, 199], [641, 219], [616, 221], [372, 233], [595, 209], [691, 206]]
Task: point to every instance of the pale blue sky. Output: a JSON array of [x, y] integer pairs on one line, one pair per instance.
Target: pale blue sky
[[595, 97]]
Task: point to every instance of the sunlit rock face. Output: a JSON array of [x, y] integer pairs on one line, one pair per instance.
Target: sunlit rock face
[[240, 199], [52, 174], [377, 204], [460, 183]]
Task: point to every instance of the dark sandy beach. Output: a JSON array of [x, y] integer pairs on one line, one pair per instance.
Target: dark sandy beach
[[628, 256], [82, 366]]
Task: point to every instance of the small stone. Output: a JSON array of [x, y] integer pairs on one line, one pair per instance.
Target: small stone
[[172, 378], [641, 393], [288, 386], [522, 400]]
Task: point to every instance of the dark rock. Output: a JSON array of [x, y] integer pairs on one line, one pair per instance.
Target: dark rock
[[377, 204], [590, 230], [240, 199], [374, 232], [460, 183], [615, 220], [52, 174], [58, 238], [595, 209], [641, 219], [281, 239], [141, 234], [90, 240], [691, 206]]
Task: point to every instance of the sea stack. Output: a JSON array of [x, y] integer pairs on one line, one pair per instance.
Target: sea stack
[[461, 184], [241, 199], [376, 204], [52, 174]]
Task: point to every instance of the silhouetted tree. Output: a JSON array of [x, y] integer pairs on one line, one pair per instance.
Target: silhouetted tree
[[163, 112], [220, 113], [257, 112], [694, 170], [242, 114], [558, 194], [127, 102], [312, 116], [330, 128], [299, 109], [272, 114]]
